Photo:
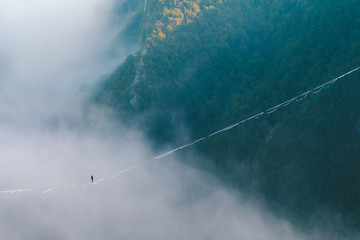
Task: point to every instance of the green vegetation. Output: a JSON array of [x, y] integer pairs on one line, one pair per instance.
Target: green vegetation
[[239, 58]]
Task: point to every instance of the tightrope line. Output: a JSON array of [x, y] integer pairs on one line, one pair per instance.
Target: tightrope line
[[271, 110]]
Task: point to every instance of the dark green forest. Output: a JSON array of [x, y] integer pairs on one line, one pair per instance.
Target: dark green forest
[[235, 59]]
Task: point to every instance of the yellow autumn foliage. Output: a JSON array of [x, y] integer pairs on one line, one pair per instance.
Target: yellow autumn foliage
[[161, 35], [177, 13]]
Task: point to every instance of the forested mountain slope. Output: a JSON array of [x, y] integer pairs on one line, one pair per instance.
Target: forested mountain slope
[[204, 65]]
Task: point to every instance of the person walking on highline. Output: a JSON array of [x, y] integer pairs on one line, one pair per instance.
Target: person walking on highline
[[92, 179]]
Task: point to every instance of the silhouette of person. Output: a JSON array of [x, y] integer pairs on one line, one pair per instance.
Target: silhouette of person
[[92, 178]]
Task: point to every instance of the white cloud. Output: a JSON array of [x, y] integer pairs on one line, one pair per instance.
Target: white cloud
[[51, 48]]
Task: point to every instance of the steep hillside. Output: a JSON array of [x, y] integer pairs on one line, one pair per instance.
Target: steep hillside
[[204, 65]]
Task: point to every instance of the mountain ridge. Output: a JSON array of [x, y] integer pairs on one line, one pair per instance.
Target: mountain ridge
[[235, 60]]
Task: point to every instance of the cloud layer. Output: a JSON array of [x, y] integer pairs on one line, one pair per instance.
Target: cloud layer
[[49, 49]]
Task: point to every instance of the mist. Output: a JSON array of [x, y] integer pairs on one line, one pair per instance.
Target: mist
[[52, 53]]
